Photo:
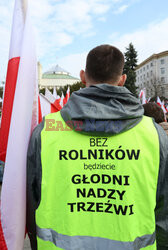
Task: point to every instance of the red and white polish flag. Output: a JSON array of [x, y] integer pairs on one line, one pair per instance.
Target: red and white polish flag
[[50, 97], [142, 96], [20, 100], [162, 105], [55, 101], [67, 96], [47, 106], [62, 100], [159, 101]]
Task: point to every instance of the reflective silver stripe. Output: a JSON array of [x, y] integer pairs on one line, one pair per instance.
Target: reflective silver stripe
[[92, 243]]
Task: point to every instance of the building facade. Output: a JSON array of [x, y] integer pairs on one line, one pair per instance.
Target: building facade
[[55, 77], [152, 74]]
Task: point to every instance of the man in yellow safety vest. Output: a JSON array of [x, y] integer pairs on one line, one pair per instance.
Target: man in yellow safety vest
[[97, 171]]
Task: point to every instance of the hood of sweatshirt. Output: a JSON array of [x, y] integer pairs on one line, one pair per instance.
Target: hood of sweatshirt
[[102, 109]]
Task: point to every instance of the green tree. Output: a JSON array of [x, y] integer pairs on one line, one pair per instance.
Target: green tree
[[77, 86], [42, 91], [129, 68], [74, 87], [1, 92]]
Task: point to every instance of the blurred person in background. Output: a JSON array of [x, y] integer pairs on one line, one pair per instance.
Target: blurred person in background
[[153, 110]]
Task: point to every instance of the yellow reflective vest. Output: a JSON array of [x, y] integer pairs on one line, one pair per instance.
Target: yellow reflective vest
[[97, 192]]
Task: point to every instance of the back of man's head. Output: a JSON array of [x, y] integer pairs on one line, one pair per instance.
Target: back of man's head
[[104, 64]]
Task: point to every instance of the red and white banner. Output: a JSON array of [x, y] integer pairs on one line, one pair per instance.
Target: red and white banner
[[16, 126]]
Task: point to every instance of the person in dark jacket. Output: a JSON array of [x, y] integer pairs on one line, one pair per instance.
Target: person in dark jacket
[[97, 171]]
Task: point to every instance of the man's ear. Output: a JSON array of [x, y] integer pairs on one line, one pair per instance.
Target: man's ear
[[82, 76], [123, 79]]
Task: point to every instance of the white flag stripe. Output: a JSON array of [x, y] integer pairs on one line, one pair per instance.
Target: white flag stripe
[[49, 96], [144, 98], [159, 101], [55, 93], [13, 197], [62, 100], [18, 23], [45, 105]]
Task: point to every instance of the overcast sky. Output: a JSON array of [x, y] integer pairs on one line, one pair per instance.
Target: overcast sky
[[67, 29]]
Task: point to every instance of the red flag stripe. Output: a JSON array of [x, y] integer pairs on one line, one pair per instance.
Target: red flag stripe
[[39, 111], [10, 86], [55, 107], [67, 96]]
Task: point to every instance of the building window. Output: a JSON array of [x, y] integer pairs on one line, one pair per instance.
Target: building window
[[140, 70], [141, 78], [144, 76], [147, 66], [163, 79], [162, 70], [147, 74], [162, 61], [151, 72], [151, 64], [143, 68]]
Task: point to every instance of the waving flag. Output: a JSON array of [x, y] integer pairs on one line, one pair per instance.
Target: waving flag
[[16, 127], [148, 99], [62, 100], [67, 96], [142, 96], [159, 101], [47, 106], [55, 94], [161, 104], [49, 96]]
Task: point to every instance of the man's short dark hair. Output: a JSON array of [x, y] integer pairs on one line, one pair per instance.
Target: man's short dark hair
[[153, 110], [104, 63]]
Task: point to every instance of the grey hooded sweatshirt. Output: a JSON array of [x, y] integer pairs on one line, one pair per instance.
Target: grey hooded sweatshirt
[[102, 110]]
